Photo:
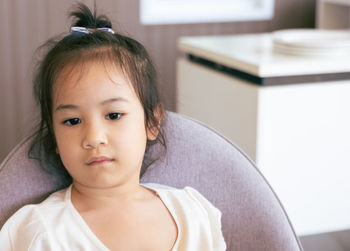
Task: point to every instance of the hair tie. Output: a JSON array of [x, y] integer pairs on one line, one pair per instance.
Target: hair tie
[[80, 31], [90, 30]]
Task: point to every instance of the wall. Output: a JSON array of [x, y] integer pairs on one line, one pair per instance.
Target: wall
[[27, 24]]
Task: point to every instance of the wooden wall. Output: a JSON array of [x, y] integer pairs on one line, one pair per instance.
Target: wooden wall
[[26, 24]]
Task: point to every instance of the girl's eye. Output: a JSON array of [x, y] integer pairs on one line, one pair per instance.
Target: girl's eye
[[113, 116], [72, 122]]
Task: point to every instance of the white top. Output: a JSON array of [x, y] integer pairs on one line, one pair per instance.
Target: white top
[[255, 54], [55, 224]]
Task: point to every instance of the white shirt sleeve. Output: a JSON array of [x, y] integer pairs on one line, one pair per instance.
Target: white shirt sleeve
[[24, 231], [214, 216], [5, 238]]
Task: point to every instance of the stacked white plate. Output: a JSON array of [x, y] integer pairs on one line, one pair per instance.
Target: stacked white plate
[[312, 42]]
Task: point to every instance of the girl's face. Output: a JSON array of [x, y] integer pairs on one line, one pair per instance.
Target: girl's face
[[99, 126]]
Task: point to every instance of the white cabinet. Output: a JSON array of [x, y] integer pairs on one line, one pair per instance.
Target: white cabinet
[[298, 133]]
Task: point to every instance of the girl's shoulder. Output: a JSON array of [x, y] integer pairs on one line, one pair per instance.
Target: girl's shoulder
[[28, 225], [52, 205], [32, 213], [187, 198], [192, 211]]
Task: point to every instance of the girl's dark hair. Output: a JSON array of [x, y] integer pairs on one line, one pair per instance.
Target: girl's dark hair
[[77, 48]]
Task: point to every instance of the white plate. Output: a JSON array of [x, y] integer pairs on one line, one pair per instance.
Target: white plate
[[314, 50], [300, 52], [312, 38]]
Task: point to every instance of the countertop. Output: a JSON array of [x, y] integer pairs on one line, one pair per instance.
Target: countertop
[[255, 54]]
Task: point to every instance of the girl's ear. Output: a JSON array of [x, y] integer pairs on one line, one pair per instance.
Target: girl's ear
[[153, 130]]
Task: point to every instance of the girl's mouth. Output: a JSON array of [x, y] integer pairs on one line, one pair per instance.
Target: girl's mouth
[[98, 160]]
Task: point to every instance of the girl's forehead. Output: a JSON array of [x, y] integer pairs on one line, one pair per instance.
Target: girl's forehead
[[74, 74], [95, 76]]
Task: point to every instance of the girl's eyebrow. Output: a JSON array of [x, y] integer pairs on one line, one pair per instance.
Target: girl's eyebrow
[[112, 100], [107, 101]]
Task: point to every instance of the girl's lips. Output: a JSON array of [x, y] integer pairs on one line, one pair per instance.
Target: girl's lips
[[98, 161]]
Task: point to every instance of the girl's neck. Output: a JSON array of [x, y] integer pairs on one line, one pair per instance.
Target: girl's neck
[[85, 198]]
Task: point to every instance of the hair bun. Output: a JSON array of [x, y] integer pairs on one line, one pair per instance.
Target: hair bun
[[85, 18]]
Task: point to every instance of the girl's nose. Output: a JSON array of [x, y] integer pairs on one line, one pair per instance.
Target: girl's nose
[[94, 137]]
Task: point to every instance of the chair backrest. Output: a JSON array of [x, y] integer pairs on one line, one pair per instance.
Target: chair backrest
[[252, 216]]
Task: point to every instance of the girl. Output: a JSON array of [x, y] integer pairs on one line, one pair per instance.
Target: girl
[[99, 110]]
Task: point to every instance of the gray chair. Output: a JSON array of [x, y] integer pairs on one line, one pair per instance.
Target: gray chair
[[252, 216]]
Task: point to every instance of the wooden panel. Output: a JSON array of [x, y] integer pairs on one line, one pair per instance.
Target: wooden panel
[[24, 26]]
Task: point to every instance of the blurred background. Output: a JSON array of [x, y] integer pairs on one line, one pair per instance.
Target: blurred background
[[25, 25]]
